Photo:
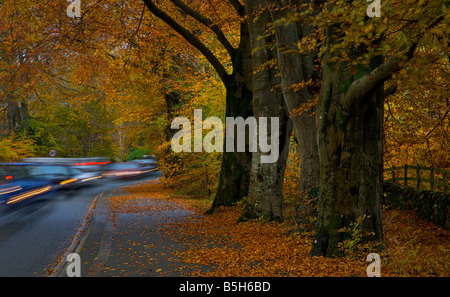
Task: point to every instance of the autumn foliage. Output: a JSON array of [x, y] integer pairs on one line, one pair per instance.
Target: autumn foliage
[[417, 114], [215, 245], [110, 83]]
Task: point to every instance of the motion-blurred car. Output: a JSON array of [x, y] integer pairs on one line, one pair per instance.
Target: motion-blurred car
[[76, 172], [58, 174], [17, 184], [84, 176], [122, 170], [147, 165]]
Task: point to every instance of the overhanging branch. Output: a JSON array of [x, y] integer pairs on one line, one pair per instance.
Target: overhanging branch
[[238, 7], [369, 82], [208, 23], [361, 87], [186, 34]]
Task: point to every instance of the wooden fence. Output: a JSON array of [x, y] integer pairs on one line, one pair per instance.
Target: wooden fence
[[419, 177]]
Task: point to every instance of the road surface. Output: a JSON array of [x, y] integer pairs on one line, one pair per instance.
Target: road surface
[[32, 236]]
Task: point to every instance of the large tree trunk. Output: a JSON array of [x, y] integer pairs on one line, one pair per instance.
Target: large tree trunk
[[265, 197], [350, 135], [235, 169], [294, 69], [234, 176]]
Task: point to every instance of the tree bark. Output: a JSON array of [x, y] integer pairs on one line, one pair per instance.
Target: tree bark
[[350, 135], [265, 197], [294, 69], [234, 176]]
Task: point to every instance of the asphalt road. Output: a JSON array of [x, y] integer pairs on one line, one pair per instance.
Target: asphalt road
[[33, 235]]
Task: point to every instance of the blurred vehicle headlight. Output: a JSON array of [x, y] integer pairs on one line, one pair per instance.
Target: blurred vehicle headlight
[[68, 181], [28, 194], [10, 190]]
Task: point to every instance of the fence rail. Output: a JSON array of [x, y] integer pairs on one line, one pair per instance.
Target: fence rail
[[420, 177]]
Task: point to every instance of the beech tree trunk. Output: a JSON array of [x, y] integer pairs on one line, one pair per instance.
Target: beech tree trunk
[[235, 169], [294, 69], [234, 176], [265, 196], [350, 134]]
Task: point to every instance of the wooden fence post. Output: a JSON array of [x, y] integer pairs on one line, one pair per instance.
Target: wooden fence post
[[420, 179]]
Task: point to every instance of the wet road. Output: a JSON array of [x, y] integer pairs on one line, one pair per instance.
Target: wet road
[[32, 236]]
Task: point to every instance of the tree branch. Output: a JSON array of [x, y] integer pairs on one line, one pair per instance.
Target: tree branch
[[369, 82], [186, 34], [208, 23], [238, 7], [359, 89]]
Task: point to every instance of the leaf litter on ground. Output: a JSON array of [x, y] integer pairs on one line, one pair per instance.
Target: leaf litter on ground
[[216, 245]]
